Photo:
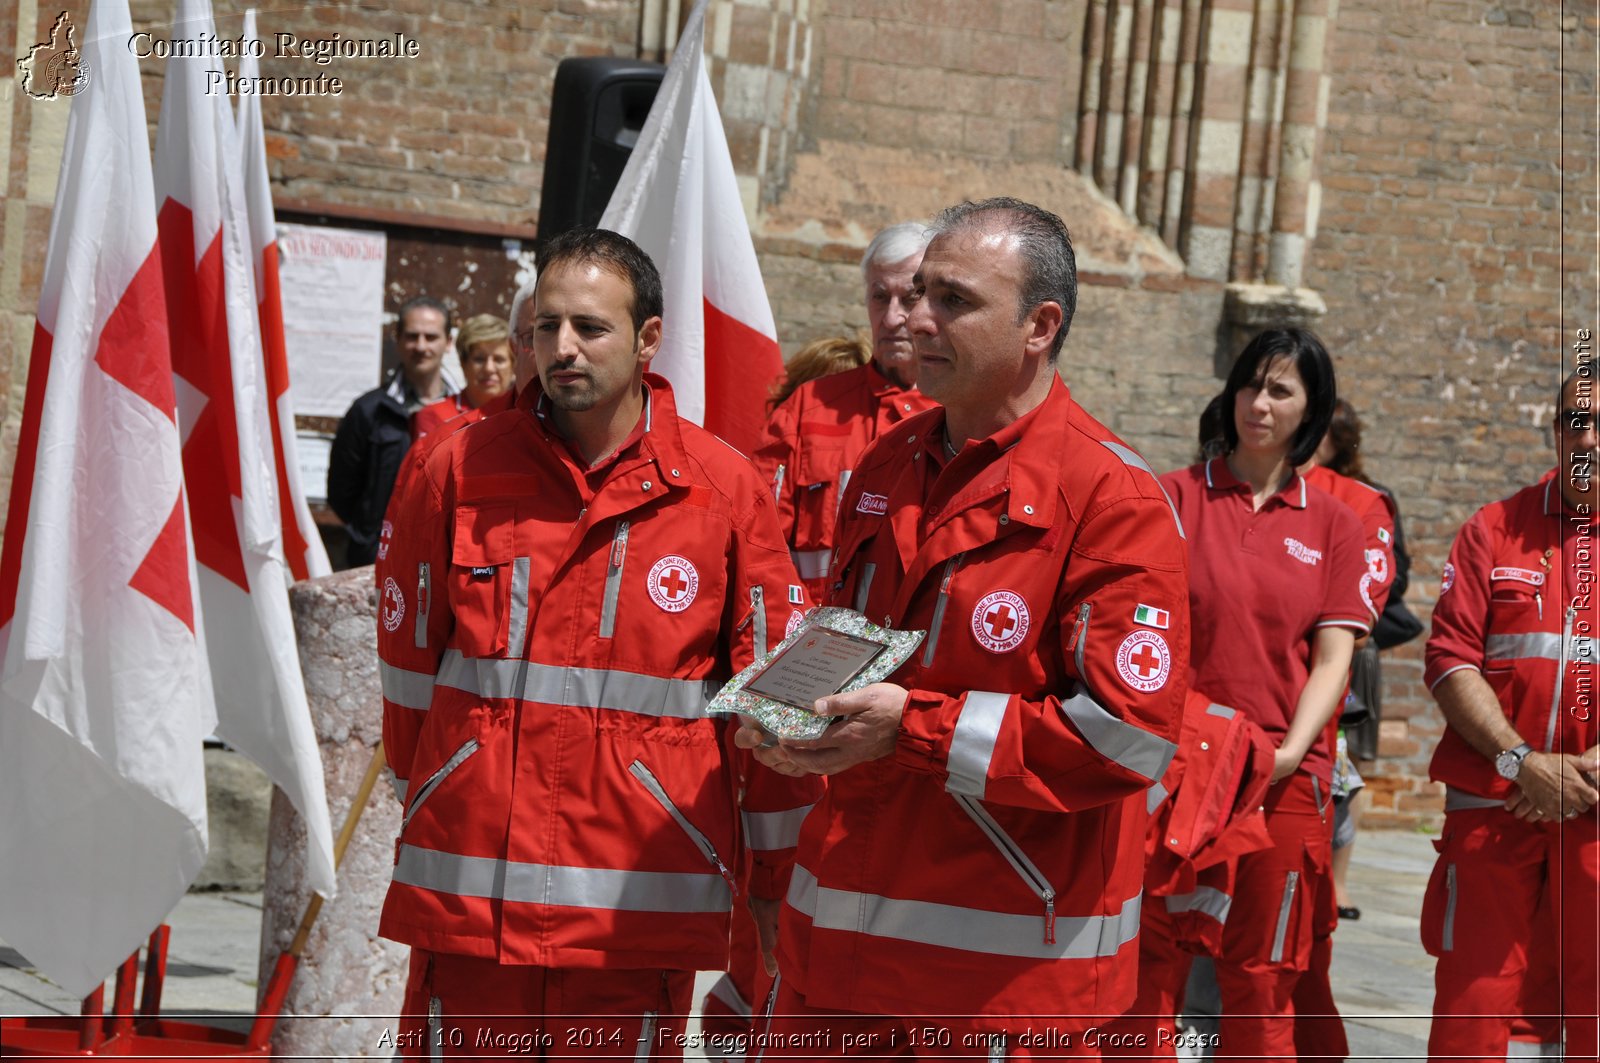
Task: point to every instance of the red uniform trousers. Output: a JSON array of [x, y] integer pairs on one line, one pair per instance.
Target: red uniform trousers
[[728, 1013], [1480, 917], [796, 1031], [1280, 896], [1149, 1029], [467, 1007]]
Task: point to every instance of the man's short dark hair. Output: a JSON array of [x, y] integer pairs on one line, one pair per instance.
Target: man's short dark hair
[[1310, 359], [613, 253], [1049, 269], [422, 302]]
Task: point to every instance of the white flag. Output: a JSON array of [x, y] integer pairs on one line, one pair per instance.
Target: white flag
[[302, 545], [104, 693], [678, 199], [227, 450]]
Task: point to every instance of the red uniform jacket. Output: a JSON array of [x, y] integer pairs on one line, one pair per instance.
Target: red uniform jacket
[[810, 447], [548, 642], [1517, 603], [992, 865]]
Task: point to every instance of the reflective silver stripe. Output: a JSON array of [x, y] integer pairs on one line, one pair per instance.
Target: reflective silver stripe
[[1207, 900], [725, 991], [1220, 710], [1540, 645], [810, 564], [767, 831], [424, 603], [838, 502], [972, 744], [864, 585], [407, 689], [517, 622], [997, 1046], [772, 998], [1131, 457], [1132, 747], [1447, 939], [1586, 654], [1316, 794], [967, 929], [647, 1036], [1290, 881], [399, 787], [1153, 797], [932, 643], [1081, 636], [608, 605], [435, 1029], [1532, 1050], [777, 485], [567, 887], [469, 747], [583, 688], [1456, 800], [758, 612]]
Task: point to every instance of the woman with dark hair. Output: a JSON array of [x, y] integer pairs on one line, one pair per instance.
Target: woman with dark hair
[[1275, 567]]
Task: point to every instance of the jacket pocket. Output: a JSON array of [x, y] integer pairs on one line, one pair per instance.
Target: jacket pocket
[[1025, 868], [419, 795], [1439, 905], [653, 785], [483, 571]]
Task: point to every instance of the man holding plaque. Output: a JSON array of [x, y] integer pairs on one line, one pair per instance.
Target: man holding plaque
[[979, 853], [572, 580]]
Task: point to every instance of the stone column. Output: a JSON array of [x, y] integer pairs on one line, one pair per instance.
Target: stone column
[[347, 971], [1304, 110]]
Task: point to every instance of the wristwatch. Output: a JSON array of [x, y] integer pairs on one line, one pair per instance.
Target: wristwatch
[[1509, 762]]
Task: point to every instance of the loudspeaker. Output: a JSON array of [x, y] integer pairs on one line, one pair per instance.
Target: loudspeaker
[[596, 113]]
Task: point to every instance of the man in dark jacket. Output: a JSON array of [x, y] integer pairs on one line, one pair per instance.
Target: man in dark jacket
[[375, 432]]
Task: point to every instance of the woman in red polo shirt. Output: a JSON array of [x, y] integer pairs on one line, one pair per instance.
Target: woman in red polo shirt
[[485, 345], [1275, 571]]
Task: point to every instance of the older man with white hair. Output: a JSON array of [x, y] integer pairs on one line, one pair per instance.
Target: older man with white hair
[[817, 434]]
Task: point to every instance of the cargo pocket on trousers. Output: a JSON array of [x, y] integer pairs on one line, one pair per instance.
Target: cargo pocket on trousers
[[1439, 904]]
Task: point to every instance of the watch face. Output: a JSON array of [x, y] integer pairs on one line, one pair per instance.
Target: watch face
[[1508, 764]]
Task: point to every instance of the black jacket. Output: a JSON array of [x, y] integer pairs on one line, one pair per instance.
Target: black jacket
[[371, 442]]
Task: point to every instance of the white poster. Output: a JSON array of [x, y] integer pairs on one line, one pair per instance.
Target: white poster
[[332, 282]]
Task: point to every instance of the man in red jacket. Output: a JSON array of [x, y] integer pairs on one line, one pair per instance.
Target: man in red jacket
[[572, 581], [1511, 662], [979, 853], [815, 438]]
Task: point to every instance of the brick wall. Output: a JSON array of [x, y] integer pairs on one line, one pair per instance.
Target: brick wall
[[1456, 217]]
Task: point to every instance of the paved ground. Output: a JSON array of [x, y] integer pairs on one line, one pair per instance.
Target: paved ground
[[1381, 977]]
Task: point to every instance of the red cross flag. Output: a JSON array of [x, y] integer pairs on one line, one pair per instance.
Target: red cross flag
[[223, 410], [678, 199], [104, 693], [302, 545]]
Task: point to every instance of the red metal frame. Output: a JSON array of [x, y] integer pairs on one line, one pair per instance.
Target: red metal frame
[[143, 1034]]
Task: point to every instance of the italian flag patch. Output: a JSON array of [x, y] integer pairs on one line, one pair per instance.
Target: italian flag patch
[[1150, 616]]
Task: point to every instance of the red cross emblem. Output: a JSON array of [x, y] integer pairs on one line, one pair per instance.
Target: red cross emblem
[[673, 583], [1000, 621], [1143, 661]]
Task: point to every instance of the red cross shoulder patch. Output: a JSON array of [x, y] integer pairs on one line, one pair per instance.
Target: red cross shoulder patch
[[673, 583], [1000, 621], [1143, 661], [394, 604]]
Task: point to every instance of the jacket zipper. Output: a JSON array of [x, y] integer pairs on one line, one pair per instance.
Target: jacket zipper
[[619, 553], [469, 747], [1447, 938], [777, 485], [1290, 883], [938, 609], [435, 1029], [838, 502], [1561, 676], [647, 1035], [649, 781], [1080, 638], [758, 613], [864, 585], [424, 593], [1025, 868]]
